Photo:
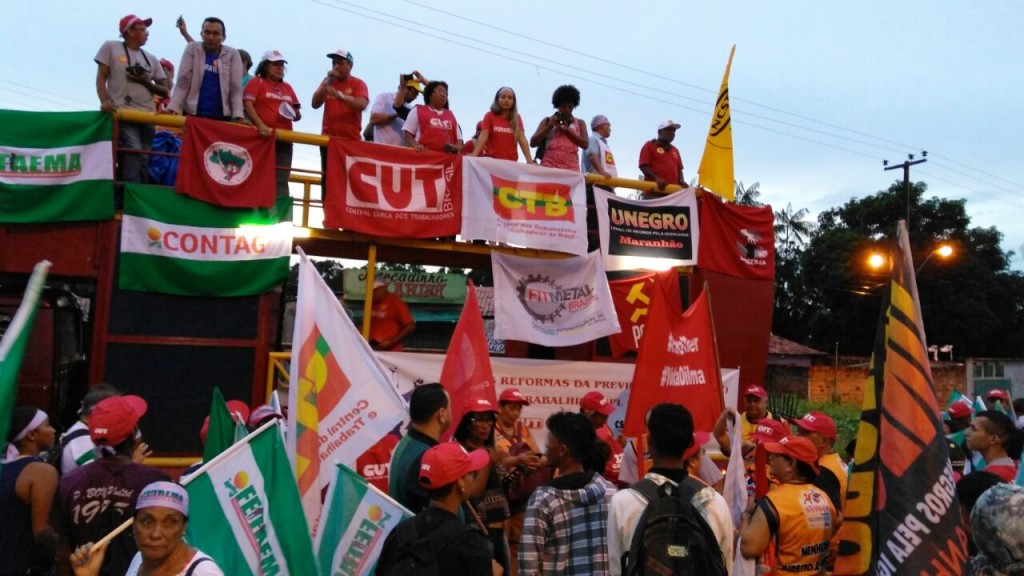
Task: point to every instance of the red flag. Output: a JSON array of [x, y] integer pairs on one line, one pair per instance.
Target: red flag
[[392, 191], [632, 299], [226, 164], [677, 363], [736, 240], [466, 373]]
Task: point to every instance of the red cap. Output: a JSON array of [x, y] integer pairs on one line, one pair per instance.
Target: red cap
[[114, 419], [513, 396], [755, 390], [478, 405], [262, 413], [449, 461], [796, 447], [598, 403], [770, 430], [816, 422], [233, 407], [132, 19], [960, 410], [700, 438], [998, 394]]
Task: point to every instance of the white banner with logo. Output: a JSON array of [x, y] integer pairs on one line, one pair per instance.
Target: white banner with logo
[[655, 233], [524, 204], [552, 302]]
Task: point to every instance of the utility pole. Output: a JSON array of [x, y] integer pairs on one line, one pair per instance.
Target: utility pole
[[906, 175]]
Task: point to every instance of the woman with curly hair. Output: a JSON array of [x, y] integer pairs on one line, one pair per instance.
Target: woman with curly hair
[[502, 129], [561, 136]]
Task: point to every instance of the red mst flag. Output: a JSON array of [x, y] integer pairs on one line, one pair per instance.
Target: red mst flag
[[392, 191], [677, 363], [226, 164], [736, 240], [466, 373], [632, 299]]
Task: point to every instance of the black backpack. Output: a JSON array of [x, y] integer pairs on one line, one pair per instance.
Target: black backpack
[[55, 455], [671, 536], [416, 556]]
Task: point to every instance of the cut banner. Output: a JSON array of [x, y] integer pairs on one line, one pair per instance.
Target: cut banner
[[665, 229], [357, 519], [737, 240], [245, 509], [524, 204], [632, 298], [226, 164], [552, 302], [392, 191], [337, 410], [176, 245], [902, 515], [677, 363], [56, 166]]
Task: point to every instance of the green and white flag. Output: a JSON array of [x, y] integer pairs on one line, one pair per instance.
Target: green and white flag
[[245, 510], [176, 245], [356, 519], [13, 342], [56, 166]]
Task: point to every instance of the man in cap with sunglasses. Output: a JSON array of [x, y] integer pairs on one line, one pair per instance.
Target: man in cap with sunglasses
[[390, 109], [129, 77]]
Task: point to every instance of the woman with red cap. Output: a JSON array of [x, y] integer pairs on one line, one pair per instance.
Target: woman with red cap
[[487, 492], [798, 516]]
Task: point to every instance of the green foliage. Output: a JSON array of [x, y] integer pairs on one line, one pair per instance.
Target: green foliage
[[846, 416]]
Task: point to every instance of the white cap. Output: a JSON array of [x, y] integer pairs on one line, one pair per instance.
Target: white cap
[[668, 124], [273, 56]]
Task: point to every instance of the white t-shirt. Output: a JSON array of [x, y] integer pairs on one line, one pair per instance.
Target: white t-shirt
[[206, 568], [391, 131], [78, 451]]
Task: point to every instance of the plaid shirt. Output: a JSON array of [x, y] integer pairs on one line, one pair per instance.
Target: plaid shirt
[[566, 529]]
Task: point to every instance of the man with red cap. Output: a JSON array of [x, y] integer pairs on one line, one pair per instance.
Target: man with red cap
[[95, 499], [1002, 397], [446, 472], [796, 514], [597, 408], [820, 429], [129, 77]]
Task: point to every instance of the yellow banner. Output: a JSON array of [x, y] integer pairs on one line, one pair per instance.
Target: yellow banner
[[716, 169]]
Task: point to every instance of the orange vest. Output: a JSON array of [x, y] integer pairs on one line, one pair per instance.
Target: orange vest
[[806, 521]]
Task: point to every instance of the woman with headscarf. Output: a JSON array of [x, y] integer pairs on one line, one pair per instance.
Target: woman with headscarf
[[161, 517]]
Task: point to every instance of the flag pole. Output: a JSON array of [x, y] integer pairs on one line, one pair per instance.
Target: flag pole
[[714, 341]]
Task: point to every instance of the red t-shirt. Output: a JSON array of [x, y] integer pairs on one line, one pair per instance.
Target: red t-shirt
[[501, 141], [375, 463], [664, 161], [340, 119], [614, 464], [387, 317], [272, 101], [436, 128]]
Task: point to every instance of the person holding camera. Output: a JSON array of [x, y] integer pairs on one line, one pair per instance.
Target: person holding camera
[[559, 137], [390, 109], [432, 126], [129, 77]]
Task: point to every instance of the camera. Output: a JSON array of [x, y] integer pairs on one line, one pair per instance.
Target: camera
[[407, 77], [562, 119], [136, 70]]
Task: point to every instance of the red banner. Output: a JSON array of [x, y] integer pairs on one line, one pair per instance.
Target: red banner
[[392, 191], [676, 364], [736, 240], [226, 164], [632, 299], [466, 373]]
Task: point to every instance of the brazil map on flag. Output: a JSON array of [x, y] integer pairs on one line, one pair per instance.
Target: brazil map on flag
[[176, 245], [56, 166]]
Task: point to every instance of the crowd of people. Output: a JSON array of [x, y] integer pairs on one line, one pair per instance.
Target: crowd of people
[[492, 501], [213, 81]]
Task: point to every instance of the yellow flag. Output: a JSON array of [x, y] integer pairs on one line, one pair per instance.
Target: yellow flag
[[716, 172]]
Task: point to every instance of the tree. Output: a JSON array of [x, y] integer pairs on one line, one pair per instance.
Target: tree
[[791, 226], [748, 196], [972, 301]]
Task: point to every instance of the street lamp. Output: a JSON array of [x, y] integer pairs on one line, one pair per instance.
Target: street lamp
[[944, 251]]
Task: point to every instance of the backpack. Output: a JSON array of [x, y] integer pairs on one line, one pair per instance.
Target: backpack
[[671, 536], [55, 455], [416, 556]]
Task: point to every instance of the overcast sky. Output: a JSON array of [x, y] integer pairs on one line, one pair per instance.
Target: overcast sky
[[821, 92]]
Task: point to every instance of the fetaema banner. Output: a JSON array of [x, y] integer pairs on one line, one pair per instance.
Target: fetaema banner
[[392, 191], [550, 385], [633, 232], [524, 204], [552, 302]]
